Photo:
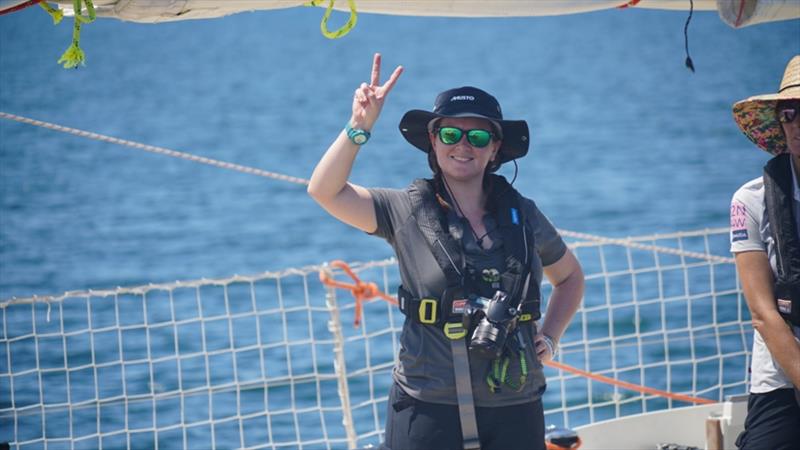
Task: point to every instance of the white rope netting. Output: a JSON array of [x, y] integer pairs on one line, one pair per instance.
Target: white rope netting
[[273, 360]]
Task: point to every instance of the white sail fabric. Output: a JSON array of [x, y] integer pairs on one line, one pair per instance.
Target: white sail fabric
[[736, 13], [741, 13], [5, 4]]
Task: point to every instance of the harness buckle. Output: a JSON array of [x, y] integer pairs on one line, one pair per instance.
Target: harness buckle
[[455, 330], [428, 308]]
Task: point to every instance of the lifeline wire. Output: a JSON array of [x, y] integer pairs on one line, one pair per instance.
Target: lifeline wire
[[154, 149], [627, 242]]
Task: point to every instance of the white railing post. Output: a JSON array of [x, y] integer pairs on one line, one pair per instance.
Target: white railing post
[[339, 364]]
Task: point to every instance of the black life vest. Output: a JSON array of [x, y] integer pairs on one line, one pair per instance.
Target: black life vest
[[518, 242], [778, 197]]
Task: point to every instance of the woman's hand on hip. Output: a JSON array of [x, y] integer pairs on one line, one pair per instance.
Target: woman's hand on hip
[[545, 347]]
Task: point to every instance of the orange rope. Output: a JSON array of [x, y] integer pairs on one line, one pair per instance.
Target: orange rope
[[361, 290], [626, 385]]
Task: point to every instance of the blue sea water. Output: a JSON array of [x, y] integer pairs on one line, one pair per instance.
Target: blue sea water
[[625, 140]]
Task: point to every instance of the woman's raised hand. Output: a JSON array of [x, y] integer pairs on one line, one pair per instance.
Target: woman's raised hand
[[368, 99]]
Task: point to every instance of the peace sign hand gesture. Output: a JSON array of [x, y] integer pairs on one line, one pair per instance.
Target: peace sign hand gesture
[[368, 99]]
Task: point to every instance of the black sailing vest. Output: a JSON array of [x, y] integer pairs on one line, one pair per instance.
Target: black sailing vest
[[506, 208], [778, 197]]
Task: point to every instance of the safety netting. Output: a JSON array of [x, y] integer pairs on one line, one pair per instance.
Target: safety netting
[[274, 360]]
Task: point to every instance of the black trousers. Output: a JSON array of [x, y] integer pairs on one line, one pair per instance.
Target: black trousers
[[416, 425], [773, 422]]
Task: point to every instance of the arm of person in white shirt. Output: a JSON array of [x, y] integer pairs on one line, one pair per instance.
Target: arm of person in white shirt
[[757, 282]]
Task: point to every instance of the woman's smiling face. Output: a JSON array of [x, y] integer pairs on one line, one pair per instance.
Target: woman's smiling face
[[462, 160]]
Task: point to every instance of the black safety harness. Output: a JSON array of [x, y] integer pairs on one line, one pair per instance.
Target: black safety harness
[[446, 309], [778, 196], [448, 306]]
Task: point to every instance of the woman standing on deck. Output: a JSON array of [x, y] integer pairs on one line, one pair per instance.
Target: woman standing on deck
[[471, 252], [765, 238]]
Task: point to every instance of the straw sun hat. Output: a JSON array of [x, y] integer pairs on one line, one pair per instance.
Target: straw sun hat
[[757, 118]]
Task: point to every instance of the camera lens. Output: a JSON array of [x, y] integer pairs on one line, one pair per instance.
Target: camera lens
[[488, 340]]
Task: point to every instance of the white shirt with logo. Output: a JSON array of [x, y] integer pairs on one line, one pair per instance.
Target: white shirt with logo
[[750, 231]]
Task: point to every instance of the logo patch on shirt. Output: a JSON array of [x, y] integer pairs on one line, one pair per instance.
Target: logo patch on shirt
[[784, 306], [738, 235], [738, 222]]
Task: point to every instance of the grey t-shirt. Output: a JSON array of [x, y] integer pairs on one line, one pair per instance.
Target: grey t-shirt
[[425, 364]]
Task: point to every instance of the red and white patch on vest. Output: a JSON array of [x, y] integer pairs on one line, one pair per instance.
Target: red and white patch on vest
[[459, 306]]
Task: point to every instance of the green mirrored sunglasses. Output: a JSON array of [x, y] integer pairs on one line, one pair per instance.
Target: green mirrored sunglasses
[[476, 137]]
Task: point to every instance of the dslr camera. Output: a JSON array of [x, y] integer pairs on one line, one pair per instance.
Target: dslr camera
[[496, 318]]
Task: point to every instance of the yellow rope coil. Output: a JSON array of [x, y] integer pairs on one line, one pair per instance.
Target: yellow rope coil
[[55, 13], [73, 55], [323, 26]]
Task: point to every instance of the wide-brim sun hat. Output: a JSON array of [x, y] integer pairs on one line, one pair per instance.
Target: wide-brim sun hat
[[757, 118], [467, 101]]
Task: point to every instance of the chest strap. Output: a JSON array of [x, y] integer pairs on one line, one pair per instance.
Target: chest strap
[[450, 307], [456, 332]]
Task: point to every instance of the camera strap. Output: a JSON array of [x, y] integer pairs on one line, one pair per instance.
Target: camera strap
[[456, 332]]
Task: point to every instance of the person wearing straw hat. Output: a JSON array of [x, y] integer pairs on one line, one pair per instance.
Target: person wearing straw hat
[[471, 253], [765, 220]]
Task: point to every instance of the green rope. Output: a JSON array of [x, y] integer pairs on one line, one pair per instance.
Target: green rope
[[523, 375], [498, 374], [493, 378], [74, 56], [323, 26], [89, 10], [55, 13], [504, 373]]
